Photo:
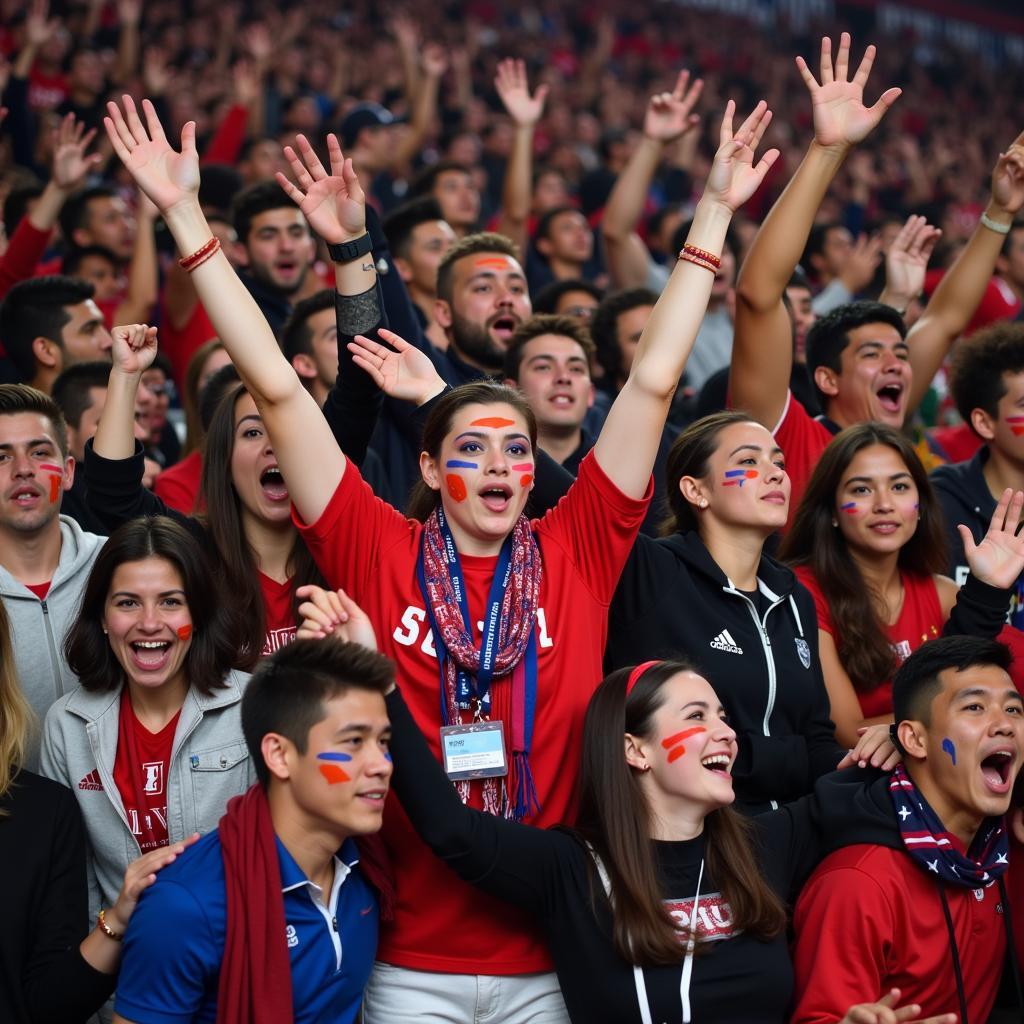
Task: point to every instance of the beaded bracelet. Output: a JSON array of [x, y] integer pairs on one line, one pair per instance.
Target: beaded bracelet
[[703, 254], [200, 256], [690, 258]]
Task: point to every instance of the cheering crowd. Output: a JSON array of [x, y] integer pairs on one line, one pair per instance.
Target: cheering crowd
[[499, 540]]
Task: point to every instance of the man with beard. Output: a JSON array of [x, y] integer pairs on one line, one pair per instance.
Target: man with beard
[[45, 558], [277, 250]]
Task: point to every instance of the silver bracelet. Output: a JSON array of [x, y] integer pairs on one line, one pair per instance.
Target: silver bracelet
[[993, 225]]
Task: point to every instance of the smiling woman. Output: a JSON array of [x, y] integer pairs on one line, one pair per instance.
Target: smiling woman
[[151, 743]]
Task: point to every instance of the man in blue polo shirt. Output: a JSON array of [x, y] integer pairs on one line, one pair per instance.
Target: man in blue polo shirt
[[275, 913]]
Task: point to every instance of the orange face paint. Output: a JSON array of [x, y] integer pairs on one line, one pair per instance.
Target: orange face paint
[[184, 632], [676, 741], [456, 487], [526, 480], [333, 774], [493, 262], [493, 421]]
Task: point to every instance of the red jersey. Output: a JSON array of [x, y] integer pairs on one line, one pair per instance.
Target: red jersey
[[140, 773], [920, 620], [802, 440], [957, 444], [364, 545], [179, 485], [277, 605], [869, 919], [180, 343]]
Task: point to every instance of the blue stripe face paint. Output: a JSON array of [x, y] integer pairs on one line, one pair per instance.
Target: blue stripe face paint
[[331, 755], [947, 746], [460, 464]]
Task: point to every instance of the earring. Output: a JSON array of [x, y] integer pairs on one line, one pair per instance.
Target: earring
[[703, 503], [835, 522]]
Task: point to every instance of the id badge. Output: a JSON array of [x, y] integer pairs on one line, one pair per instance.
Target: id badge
[[474, 751]]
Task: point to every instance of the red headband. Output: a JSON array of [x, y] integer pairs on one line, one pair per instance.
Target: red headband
[[634, 676]]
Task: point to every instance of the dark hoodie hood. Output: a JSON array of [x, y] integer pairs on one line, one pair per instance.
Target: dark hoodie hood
[[852, 807]]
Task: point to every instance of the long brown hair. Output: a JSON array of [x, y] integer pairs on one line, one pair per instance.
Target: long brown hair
[[194, 430], [16, 718], [423, 500], [223, 519], [615, 819], [689, 456], [813, 541]]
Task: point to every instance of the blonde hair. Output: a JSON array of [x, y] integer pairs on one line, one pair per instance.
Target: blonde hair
[[16, 718]]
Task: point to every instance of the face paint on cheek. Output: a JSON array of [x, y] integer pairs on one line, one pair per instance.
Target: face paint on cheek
[[947, 746], [674, 744], [497, 422], [456, 487], [525, 468], [184, 632], [850, 508], [738, 477], [56, 478], [334, 773], [1016, 424], [526, 480], [460, 464]]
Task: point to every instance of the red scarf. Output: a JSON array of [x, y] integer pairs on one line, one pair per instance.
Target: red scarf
[[255, 984]]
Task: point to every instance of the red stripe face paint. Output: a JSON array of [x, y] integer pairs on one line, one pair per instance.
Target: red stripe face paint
[[456, 487], [738, 477], [184, 632], [56, 479], [332, 771], [1016, 424], [849, 508], [497, 422], [674, 744], [523, 467]]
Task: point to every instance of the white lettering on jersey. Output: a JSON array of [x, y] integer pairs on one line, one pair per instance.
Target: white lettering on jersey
[[407, 633]]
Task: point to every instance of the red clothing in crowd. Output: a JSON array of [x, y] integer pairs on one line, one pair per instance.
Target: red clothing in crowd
[[957, 444], [802, 440], [998, 302], [920, 620], [178, 486], [179, 344], [277, 606], [140, 774], [364, 545], [869, 919]]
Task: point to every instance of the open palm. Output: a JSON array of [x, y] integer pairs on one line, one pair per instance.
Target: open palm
[[840, 117], [999, 559], [402, 371], [334, 204], [1008, 177], [670, 114], [734, 177], [166, 176]]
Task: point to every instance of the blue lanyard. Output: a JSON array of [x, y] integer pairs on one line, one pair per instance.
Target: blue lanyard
[[466, 688]]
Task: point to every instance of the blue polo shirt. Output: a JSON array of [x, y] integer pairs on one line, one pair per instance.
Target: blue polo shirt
[[175, 941]]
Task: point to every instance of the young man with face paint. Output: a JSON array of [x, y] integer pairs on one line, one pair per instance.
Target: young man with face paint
[[919, 903], [45, 558], [273, 916], [863, 362], [987, 383]]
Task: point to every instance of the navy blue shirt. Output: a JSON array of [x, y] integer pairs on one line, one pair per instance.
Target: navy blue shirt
[[175, 942]]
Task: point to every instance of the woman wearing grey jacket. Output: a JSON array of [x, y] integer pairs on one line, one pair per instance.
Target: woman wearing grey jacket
[[151, 742]]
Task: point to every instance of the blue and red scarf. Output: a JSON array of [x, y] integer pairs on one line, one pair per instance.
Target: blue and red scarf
[[937, 851]]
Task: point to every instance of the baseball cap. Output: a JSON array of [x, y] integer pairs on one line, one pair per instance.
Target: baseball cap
[[364, 115]]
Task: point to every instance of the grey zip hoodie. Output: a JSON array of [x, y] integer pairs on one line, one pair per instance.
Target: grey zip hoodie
[[38, 627]]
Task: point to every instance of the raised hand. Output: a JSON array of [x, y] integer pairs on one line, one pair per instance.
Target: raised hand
[[734, 177], [134, 348], [670, 114], [840, 117], [167, 177], [402, 371], [326, 613], [70, 162], [514, 91], [334, 204], [907, 259], [1008, 178], [434, 60], [38, 26], [999, 559], [885, 1011]]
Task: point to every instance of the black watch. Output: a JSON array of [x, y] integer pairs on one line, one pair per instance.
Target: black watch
[[343, 252]]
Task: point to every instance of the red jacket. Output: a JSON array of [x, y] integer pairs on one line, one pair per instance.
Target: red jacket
[[870, 920]]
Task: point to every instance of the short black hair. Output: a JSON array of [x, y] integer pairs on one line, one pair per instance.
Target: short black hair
[[254, 200], [16, 205], [917, 680], [799, 279], [296, 337], [287, 692], [18, 398], [547, 299], [71, 388], [548, 218], [74, 214], [604, 326], [816, 241], [217, 190], [546, 323], [77, 255], [214, 390], [979, 363], [401, 222], [36, 308], [424, 182], [830, 335]]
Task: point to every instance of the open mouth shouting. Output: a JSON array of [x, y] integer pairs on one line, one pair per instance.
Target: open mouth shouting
[[997, 770], [890, 397], [718, 764], [273, 485], [150, 655], [503, 327], [496, 497]]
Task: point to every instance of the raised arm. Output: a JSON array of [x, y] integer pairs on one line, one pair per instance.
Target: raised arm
[[310, 460], [955, 300], [762, 353], [629, 440], [525, 111], [669, 117]]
